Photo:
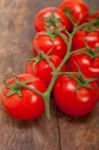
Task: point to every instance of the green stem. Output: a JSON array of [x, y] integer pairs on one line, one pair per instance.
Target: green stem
[[46, 98], [56, 71], [64, 38], [46, 95], [31, 89], [67, 55], [47, 59], [67, 32], [81, 50], [79, 27], [50, 50], [49, 89], [66, 73]]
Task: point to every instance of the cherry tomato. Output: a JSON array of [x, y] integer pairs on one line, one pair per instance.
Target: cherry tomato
[[73, 101], [43, 70], [40, 21], [28, 106], [88, 66], [79, 10], [92, 39], [44, 43]]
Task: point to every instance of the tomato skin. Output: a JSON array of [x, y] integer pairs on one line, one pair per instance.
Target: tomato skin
[[88, 66], [30, 105], [40, 23], [92, 39], [73, 101], [58, 46], [43, 70], [79, 9]]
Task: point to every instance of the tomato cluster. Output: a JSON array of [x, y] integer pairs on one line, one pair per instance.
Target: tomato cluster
[[66, 64]]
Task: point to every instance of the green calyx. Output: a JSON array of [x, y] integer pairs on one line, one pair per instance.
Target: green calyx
[[42, 56], [68, 13], [92, 25], [82, 81], [92, 53], [79, 78], [52, 21], [53, 33], [16, 87], [37, 59], [57, 27], [93, 11], [57, 32]]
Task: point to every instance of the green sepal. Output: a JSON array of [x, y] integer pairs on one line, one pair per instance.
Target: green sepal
[[16, 87], [68, 13], [51, 34], [10, 93], [83, 82], [52, 21], [83, 85], [92, 53], [92, 25], [91, 79], [93, 11]]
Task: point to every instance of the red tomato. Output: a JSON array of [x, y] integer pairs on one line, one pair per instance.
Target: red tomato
[[29, 105], [43, 42], [95, 15], [79, 10], [88, 66], [40, 21], [92, 39], [43, 70], [73, 101]]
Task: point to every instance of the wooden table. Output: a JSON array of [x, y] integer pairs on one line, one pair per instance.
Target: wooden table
[[62, 132]]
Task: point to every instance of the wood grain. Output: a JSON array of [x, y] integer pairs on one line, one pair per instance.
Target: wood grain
[[62, 132]]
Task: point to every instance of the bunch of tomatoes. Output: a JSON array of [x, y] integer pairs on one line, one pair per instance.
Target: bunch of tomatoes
[[65, 66]]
